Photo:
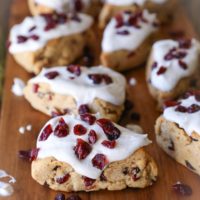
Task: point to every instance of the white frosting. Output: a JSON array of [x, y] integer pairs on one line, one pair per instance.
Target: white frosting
[[130, 2], [190, 122], [82, 88], [174, 73], [18, 86], [68, 28], [114, 42], [62, 148]]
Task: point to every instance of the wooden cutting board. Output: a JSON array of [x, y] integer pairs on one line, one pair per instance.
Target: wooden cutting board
[[17, 112]]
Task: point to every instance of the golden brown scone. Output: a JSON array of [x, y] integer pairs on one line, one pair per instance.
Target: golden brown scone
[[163, 10], [137, 171], [180, 82]]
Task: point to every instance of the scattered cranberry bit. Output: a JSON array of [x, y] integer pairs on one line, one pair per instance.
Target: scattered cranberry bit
[[73, 197], [181, 109], [182, 189], [169, 103], [161, 70], [135, 173], [193, 108], [155, 64], [119, 20], [99, 161], [83, 109], [61, 18], [92, 137], [51, 21], [188, 164], [100, 78], [79, 130], [51, 75], [82, 149], [63, 179], [29, 155], [32, 29], [35, 88], [182, 64], [125, 171], [34, 37], [60, 196], [112, 132], [185, 43], [46, 133], [88, 181], [62, 129], [175, 54], [103, 177], [21, 39], [75, 17], [125, 32], [90, 119], [135, 19], [109, 144], [135, 116], [74, 69]]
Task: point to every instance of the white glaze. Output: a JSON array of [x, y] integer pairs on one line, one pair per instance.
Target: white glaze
[[62, 5], [190, 122], [167, 81], [68, 28], [82, 88], [130, 2], [17, 87], [62, 148], [114, 42]]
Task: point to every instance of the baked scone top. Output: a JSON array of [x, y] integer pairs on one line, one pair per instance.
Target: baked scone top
[[185, 112], [85, 84], [128, 30], [87, 143], [130, 2], [65, 5], [34, 32], [172, 61]]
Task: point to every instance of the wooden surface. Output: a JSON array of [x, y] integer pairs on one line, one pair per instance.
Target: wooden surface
[[17, 112]]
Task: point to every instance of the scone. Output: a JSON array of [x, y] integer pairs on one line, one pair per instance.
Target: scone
[[78, 153], [75, 89], [91, 7], [127, 39], [171, 67], [50, 40], [112, 7], [178, 130]]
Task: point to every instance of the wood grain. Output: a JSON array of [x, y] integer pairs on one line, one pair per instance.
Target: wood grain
[[17, 112]]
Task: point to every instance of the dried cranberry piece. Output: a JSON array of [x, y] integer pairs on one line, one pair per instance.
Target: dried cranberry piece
[[75, 17], [50, 26], [90, 119], [32, 28], [29, 155], [51, 75], [83, 109], [181, 109], [135, 173], [34, 37], [73, 197], [103, 177], [92, 137], [193, 108], [182, 64], [124, 32], [197, 96], [185, 43], [21, 39], [180, 55], [61, 18], [60, 196], [112, 132], [182, 189], [109, 144], [88, 181], [82, 149], [169, 103], [155, 64], [35, 88], [107, 79], [78, 5], [46, 133], [62, 129], [51, 20], [188, 164], [99, 161], [161, 70], [119, 20], [134, 19], [169, 55], [63, 179], [80, 130], [99, 78], [125, 171], [74, 69]]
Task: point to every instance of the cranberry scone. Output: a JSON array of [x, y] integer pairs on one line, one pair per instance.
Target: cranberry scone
[[86, 153], [127, 39], [91, 7], [112, 7], [171, 67], [50, 40], [76, 89], [178, 130]]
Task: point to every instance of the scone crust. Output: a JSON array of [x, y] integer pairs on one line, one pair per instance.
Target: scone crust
[[178, 144], [117, 174]]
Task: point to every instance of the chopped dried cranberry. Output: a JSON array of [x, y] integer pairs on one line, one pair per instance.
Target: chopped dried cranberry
[[103, 177], [29, 155], [125, 171], [182, 189], [63, 179], [135, 116], [62, 129], [185, 43], [119, 20], [188, 164], [99, 161], [92, 137], [78, 5], [182, 64], [73, 197], [90, 119], [60, 196], [181, 109], [83, 109], [51, 75], [74, 69], [61, 18], [34, 37], [109, 144], [155, 64], [99, 78], [193, 108], [35, 88], [161, 70], [32, 28], [51, 21], [135, 173], [112, 132], [171, 146], [21, 39], [124, 32], [135, 18], [79, 130], [82, 149], [169, 103], [88, 181], [50, 26], [75, 17], [46, 133]]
